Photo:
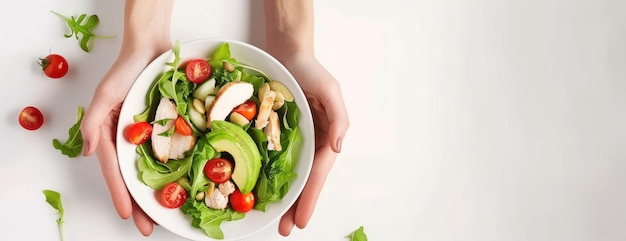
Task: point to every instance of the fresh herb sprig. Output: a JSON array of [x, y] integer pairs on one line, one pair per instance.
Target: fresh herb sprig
[[82, 31], [54, 199], [73, 146], [358, 235]]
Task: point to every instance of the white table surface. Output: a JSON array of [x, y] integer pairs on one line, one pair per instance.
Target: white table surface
[[470, 120]]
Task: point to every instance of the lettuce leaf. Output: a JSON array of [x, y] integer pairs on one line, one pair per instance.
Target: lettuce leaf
[[208, 219]]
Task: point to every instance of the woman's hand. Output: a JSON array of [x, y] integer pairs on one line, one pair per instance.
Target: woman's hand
[[146, 35], [99, 128], [289, 38], [331, 122]]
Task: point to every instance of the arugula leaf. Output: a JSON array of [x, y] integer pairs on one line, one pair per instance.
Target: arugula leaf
[[54, 199], [202, 153], [73, 146], [358, 235], [145, 155], [161, 122], [169, 132], [154, 178], [152, 99], [208, 219], [234, 63], [277, 167], [221, 53], [77, 28]]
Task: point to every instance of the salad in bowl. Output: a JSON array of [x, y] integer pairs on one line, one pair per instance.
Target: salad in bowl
[[215, 140]]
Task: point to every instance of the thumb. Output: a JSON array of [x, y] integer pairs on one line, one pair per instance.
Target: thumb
[[337, 116], [94, 118]]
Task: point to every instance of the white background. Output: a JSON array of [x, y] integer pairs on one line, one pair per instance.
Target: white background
[[470, 120]]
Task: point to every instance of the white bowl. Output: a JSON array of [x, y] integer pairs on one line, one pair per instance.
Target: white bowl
[[172, 219]]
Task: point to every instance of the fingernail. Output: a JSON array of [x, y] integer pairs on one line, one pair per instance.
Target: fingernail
[[85, 148], [339, 142]]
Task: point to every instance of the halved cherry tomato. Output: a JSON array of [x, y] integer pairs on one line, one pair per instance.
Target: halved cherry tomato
[[182, 127], [139, 132], [218, 170], [247, 109], [31, 118], [173, 195], [54, 66], [242, 202], [197, 70]]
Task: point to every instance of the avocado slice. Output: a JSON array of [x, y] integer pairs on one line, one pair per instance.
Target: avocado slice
[[231, 138]]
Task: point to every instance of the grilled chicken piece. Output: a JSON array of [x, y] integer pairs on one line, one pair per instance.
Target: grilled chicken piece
[[180, 145], [216, 200], [272, 131], [169, 147], [226, 188], [265, 108], [228, 97], [161, 144]]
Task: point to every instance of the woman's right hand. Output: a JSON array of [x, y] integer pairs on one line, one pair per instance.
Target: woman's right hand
[[146, 36]]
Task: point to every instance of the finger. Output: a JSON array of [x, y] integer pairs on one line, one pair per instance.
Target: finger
[[144, 224], [324, 160], [110, 171], [337, 113], [287, 221], [95, 115]]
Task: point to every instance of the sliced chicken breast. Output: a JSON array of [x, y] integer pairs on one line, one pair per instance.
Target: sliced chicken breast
[[180, 145], [161, 144]]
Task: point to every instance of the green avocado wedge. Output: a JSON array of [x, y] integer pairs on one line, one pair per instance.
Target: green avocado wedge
[[231, 138]]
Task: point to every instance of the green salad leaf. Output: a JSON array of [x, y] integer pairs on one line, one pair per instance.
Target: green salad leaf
[[145, 157], [82, 31], [358, 235], [54, 199], [202, 153], [73, 146], [277, 167], [152, 98], [208, 219], [155, 178]]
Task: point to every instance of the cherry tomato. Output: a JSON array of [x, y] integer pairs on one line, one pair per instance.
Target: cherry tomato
[[242, 202], [173, 195], [182, 127], [197, 70], [31, 118], [218, 170], [139, 132], [54, 66], [247, 109]]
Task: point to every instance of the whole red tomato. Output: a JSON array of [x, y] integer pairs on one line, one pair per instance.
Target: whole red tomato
[[54, 66], [242, 202]]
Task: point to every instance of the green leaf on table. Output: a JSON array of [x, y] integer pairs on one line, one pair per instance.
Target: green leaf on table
[[73, 146], [54, 199], [358, 235], [82, 31]]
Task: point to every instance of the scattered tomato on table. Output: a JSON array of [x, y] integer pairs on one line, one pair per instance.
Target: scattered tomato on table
[[54, 66], [31, 118]]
